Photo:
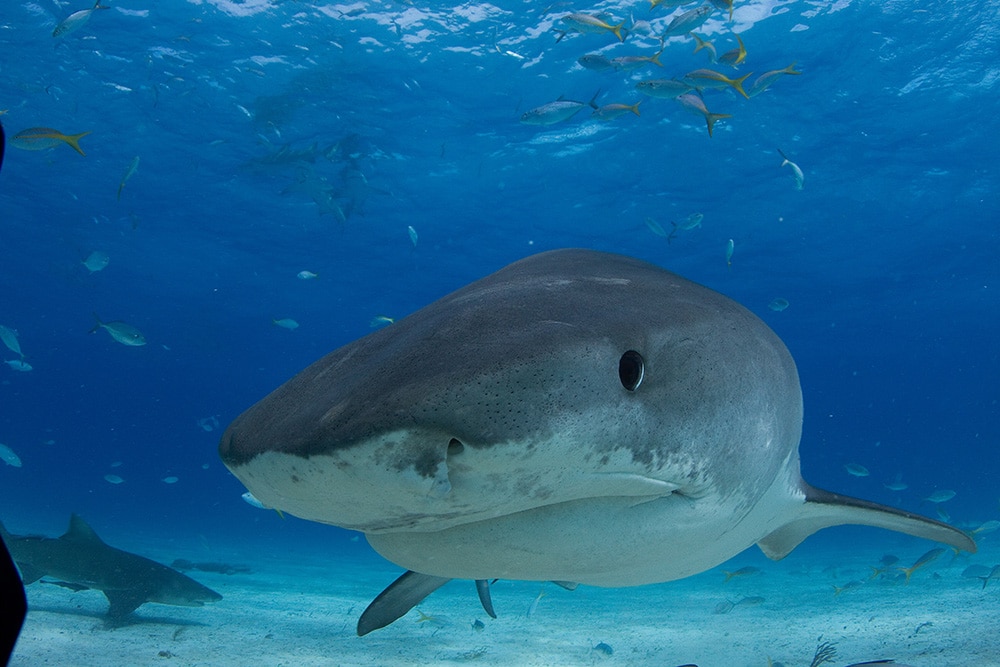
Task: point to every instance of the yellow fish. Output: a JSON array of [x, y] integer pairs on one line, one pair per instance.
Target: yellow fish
[[695, 104], [707, 78], [41, 138]]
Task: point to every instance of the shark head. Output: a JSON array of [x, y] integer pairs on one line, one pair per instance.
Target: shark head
[[575, 416], [182, 591]]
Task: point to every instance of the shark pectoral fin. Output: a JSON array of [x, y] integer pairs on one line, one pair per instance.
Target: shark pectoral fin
[[400, 597], [823, 509], [123, 602], [483, 589], [29, 573]]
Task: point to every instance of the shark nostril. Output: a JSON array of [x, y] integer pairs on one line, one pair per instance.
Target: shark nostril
[[455, 447]]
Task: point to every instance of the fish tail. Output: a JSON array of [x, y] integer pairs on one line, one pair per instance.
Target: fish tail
[[74, 141], [791, 69], [738, 84], [120, 186], [635, 107], [97, 327], [617, 30], [593, 100], [98, 5], [656, 58], [783, 157], [699, 42], [711, 118]]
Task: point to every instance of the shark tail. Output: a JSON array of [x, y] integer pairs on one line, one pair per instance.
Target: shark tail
[[823, 509]]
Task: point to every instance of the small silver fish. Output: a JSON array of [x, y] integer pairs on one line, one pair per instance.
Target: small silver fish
[[928, 557], [286, 323], [113, 479], [656, 227], [856, 470], [765, 80], [629, 63], [533, 607], [76, 20], [707, 45], [850, 585], [589, 23], [987, 528], [695, 104], [687, 21], [96, 261], [612, 111], [664, 89], [688, 223], [779, 304], [940, 496], [555, 112], [413, 235], [9, 338], [994, 574], [8, 456], [306, 275], [133, 166], [800, 178], [730, 249], [595, 61], [251, 500], [897, 484], [126, 334], [19, 365]]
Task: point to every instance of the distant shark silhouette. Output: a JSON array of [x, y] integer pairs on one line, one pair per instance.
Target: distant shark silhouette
[[81, 560]]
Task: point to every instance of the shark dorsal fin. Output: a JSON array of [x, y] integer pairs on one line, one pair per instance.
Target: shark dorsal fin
[[80, 531]]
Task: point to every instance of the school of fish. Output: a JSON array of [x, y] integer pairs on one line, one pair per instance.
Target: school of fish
[[690, 89]]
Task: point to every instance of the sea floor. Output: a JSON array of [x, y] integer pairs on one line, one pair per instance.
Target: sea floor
[[300, 609]]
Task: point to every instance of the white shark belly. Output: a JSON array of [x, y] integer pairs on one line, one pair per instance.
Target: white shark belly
[[610, 541]]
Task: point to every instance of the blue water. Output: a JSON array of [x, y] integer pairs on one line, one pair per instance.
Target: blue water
[[407, 115]]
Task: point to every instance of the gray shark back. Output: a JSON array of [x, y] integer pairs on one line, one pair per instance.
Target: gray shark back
[[81, 558], [575, 416]]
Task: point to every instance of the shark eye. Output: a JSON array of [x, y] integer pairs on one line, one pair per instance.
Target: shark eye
[[631, 370]]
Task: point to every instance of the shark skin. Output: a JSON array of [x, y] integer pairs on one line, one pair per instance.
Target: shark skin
[[576, 417], [80, 560]]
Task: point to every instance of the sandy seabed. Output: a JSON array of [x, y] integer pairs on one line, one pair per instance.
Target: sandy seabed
[[302, 611]]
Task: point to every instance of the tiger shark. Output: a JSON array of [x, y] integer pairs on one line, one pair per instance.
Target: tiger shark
[[576, 417], [80, 560]]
